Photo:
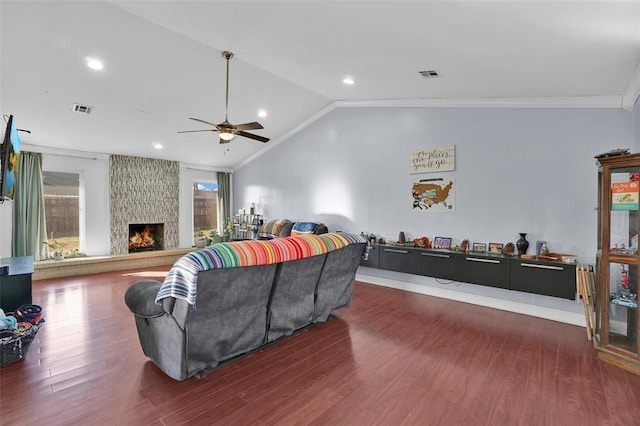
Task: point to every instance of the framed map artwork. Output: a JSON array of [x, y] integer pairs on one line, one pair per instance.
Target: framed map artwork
[[434, 194]]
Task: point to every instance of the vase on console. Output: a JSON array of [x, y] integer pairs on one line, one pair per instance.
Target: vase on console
[[522, 244]]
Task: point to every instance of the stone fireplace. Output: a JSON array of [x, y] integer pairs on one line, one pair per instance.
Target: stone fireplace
[[143, 191], [146, 237]]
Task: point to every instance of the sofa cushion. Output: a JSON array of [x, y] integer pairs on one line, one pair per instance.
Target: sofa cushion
[[272, 228], [302, 228]]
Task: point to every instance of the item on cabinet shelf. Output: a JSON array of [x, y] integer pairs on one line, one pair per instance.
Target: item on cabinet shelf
[[623, 249], [495, 248], [442, 243], [508, 249], [522, 243], [544, 250], [479, 247], [372, 239], [464, 246], [401, 238], [252, 209], [538, 247], [624, 297]]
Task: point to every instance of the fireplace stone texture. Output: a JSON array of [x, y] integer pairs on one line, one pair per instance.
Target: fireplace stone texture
[[143, 190]]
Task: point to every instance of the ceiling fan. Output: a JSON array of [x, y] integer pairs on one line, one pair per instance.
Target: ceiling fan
[[228, 131]]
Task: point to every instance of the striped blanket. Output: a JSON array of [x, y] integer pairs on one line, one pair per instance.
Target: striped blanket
[[181, 282]]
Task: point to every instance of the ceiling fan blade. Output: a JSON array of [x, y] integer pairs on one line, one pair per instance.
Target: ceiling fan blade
[[191, 131], [252, 136], [202, 121], [249, 126]]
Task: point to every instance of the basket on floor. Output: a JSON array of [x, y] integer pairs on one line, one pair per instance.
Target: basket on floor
[[14, 348]]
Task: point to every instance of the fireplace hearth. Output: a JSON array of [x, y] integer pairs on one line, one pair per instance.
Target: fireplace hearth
[[146, 237]]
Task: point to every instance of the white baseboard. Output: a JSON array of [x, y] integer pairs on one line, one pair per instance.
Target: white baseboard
[[575, 316]]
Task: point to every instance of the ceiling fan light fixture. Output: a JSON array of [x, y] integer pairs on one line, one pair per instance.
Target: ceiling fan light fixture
[[226, 135]]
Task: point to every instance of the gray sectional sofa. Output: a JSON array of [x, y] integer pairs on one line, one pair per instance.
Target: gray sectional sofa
[[240, 309]]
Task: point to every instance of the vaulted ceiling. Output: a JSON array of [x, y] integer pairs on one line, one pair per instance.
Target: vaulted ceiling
[[163, 64]]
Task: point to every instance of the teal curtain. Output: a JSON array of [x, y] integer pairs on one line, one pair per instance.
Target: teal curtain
[[224, 199], [28, 208]]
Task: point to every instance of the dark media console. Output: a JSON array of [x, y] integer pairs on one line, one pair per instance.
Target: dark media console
[[15, 288], [512, 273]]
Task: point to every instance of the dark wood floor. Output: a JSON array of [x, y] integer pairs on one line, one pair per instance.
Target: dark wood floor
[[393, 357]]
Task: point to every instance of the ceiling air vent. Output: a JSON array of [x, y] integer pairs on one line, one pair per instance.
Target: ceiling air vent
[[86, 109], [430, 74]]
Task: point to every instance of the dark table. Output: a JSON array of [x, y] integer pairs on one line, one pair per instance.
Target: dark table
[[15, 288]]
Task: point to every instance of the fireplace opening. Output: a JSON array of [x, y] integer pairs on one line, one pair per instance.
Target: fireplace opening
[[146, 237]]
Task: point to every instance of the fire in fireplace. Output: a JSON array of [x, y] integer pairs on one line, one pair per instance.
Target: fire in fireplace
[[146, 237]]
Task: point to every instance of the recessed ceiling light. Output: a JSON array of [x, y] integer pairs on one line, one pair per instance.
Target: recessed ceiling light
[[94, 64], [262, 113], [348, 80], [157, 145]]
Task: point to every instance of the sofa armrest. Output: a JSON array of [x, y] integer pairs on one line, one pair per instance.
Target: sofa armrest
[[140, 297]]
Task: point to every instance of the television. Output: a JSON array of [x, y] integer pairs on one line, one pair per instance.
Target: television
[[9, 152]]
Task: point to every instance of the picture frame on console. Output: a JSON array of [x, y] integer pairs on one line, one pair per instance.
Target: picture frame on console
[[442, 243], [479, 247], [495, 248]]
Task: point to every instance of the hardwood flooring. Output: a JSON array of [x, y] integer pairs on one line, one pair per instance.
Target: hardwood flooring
[[391, 358]]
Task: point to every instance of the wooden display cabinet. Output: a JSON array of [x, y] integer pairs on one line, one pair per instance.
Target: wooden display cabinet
[[618, 261]]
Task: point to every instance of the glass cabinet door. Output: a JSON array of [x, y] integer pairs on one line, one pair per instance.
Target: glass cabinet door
[[622, 324], [620, 327]]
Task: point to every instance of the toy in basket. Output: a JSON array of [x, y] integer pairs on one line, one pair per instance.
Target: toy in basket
[[17, 331]]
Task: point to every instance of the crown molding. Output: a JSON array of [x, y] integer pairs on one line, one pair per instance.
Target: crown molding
[[632, 92], [63, 152], [551, 102]]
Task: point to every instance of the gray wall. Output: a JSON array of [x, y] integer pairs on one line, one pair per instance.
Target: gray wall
[[517, 170]]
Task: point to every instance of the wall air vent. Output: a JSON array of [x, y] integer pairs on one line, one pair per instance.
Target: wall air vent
[[430, 74], [86, 109]]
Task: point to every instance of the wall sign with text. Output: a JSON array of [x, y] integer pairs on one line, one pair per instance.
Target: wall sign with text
[[436, 159]]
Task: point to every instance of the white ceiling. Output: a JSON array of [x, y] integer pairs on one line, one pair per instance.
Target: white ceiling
[[163, 64]]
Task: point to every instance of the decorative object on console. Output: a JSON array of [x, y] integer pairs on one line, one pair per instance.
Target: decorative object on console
[[544, 249], [522, 243], [508, 249], [464, 246], [422, 242]]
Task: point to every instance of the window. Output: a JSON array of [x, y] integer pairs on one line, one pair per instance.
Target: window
[[62, 208], [205, 208]]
